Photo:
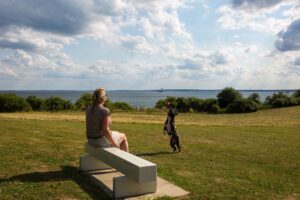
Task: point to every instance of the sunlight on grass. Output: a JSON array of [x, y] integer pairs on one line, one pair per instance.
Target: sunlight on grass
[[272, 117], [224, 156]]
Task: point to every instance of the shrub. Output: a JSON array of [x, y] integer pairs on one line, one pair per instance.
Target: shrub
[[278, 100], [227, 96], [208, 104], [284, 102], [117, 105], [297, 100], [242, 106], [84, 101], [57, 103], [196, 104], [121, 106], [160, 104], [36, 103], [182, 104], [13, 103], [215, 108], [254, 97], [296, 93], [274, 97], [172, 101]]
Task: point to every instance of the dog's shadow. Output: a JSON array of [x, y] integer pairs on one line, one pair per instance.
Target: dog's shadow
[[154, 153], [66, 173]]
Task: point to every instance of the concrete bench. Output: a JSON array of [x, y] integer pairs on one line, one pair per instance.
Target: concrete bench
[[140, 174]]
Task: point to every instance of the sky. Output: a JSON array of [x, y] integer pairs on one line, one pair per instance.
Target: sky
[[149, 44]]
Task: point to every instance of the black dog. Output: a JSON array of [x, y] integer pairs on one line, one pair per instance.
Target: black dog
[[170, 129]]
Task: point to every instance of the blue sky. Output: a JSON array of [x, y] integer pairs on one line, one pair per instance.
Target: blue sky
[[129, 44]]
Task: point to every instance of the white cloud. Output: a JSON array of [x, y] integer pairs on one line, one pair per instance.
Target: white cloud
[[100, 19], [256, 15], [103, 68], [29, 40], [6, 71], [137, 44], [222, 57], [251, 49], [152, 33], [25, 65]]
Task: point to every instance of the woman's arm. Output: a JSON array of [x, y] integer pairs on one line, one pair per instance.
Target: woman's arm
[[106, 131]]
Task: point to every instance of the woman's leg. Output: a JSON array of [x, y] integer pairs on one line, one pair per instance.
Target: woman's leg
[[124, 142]]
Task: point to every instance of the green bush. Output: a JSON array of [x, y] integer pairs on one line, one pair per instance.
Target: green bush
[[270, 99], [163, 102], [242, 106], [297, 100], [284, 102], [215, 108], [227, 96], [57, 104], [208, 104], [13, 103], [84, 101], [278, 100], [182, 104], [109, 104], [172, 101], [296, 93], [196, 104], [118, 105], [254, 97], [121, 106], [190, 104], [160, 104], [36, 103]]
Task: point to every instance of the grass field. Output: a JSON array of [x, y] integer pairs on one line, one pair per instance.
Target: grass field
[[240, 156]]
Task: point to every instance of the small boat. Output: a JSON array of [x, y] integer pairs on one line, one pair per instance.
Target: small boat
[[161, 90]]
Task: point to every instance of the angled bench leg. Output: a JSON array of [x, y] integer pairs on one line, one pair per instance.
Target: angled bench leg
[[125, 187], [88, 163]]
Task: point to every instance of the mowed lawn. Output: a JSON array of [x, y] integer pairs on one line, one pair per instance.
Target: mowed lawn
[[239, 156]]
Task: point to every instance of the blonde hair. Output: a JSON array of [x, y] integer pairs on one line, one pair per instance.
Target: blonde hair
[[98, 96]]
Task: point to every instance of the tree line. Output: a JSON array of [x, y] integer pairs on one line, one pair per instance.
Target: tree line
[[13, 103], [228, 100]]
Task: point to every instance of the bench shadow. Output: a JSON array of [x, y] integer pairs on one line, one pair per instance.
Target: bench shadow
[[66, 173], [154, 153]]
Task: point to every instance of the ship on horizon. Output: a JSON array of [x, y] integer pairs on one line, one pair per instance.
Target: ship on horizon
[[161, 90]]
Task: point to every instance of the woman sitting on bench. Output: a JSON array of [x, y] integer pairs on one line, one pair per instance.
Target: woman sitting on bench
[[98, 121]]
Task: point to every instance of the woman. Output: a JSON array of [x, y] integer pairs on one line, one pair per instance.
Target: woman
[[98, 121]]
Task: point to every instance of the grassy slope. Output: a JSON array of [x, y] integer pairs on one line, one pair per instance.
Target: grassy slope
[[248, 156]]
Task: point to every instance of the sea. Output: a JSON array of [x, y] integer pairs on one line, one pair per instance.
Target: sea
[[140, 98]]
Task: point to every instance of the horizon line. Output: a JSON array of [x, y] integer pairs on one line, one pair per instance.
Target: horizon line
[[159, 90]]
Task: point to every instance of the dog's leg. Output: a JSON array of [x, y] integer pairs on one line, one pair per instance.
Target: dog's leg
[[172, 143], [178, 144]]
